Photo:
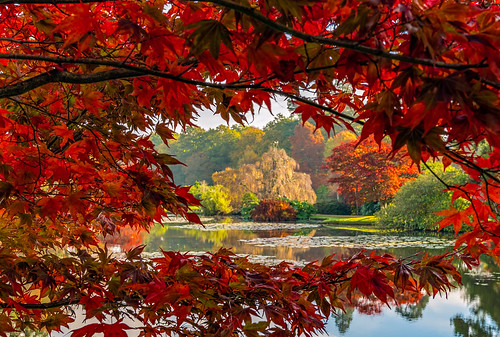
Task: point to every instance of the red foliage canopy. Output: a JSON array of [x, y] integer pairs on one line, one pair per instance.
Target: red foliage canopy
[[367, 171], [83, 83]]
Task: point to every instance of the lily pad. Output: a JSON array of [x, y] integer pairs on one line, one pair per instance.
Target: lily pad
[[360, 241]]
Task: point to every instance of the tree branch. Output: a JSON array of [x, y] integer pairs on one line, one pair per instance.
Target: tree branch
[[55, 76], [49, 2], [255, 14], [352, 45], [312, 103], [124, 70], [49, 305]]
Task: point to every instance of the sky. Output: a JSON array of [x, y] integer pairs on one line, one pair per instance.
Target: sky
[[208, 120]]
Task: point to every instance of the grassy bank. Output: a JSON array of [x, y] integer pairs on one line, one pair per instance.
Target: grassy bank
[[344, 219], [348, 222]]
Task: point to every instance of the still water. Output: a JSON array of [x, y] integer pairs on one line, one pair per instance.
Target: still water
[[472, 310]]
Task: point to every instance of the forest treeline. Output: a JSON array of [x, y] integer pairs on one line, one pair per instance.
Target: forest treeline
[[284, 159], [207, 151], [293, 160]]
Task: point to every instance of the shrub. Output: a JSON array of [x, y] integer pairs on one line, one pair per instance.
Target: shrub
[[273, 210], [214, 199], [304, 209], [414, 203], [248, 203], [333, 206], [369, 208]]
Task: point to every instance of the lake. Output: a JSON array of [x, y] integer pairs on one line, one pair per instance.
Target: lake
[[472, 310]]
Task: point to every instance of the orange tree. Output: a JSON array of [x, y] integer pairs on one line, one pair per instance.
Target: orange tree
[[367, 172], [83, 83]]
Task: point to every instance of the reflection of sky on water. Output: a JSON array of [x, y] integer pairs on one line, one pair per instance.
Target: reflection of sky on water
[[434, 322]]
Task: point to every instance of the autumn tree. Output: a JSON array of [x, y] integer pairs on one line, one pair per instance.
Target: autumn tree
[[368, 172], [84, 83], [245, 179], [281, 179], [274, 176]]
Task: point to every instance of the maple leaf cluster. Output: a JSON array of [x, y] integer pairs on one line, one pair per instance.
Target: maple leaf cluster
[[84, 83]]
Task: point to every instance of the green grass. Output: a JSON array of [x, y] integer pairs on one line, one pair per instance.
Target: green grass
[[348, 222], [358, 229], [344, 219]]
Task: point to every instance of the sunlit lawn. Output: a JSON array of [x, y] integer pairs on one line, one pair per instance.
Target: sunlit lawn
[[345, 219]]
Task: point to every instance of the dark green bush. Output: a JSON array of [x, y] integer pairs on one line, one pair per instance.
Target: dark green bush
[[333, 206], [248, 202], [369, 208]]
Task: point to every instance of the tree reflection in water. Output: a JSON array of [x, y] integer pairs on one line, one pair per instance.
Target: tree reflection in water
[[343, 320], [481, 290], [483, 294], [472, 327], [413, 311]]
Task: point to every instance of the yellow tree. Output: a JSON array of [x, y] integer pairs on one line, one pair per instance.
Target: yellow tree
[[281, 179], [275, 175]]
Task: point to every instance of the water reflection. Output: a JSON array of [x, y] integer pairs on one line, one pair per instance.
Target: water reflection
[[469, 311], [343, 320], [413, 311], [483, 295], [298, 244]]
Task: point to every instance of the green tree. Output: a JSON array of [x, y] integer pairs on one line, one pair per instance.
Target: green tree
[[203, 151], [344, 136], [278, 133], [214, 199], [414, 204], [308, 145], [248, 149], [199, 167], [221, 143]]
